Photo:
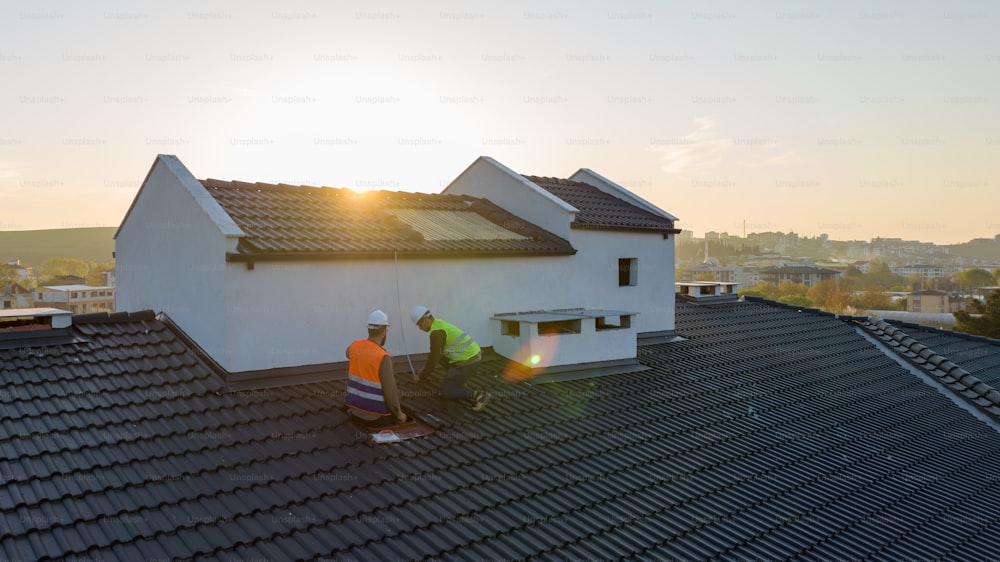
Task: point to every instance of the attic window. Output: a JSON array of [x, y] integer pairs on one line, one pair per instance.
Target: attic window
[[559, 327], [627, 272]]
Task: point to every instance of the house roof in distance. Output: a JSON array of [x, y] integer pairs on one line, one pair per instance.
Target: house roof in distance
[[291, 222], [767, 432], [599, 210]]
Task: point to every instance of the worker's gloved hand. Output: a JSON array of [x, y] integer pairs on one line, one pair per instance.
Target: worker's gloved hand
[[416, 378]]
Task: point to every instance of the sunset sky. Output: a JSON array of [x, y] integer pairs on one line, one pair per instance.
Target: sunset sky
[[853, 119]]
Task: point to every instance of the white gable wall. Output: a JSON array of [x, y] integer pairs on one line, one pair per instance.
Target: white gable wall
[[488, 179], [170, 257]]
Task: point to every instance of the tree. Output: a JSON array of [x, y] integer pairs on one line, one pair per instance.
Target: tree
[[95, 275], [796, 300], [774, 292], [872, 299], [54, 267], [881, 275], [828, 295], [986, 322], [969, 279]]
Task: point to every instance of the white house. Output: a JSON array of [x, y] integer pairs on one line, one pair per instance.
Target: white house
[[81, 299], [266, 276]]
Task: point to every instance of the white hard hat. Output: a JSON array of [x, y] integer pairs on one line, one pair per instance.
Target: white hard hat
[[378, 318], [417, 313]]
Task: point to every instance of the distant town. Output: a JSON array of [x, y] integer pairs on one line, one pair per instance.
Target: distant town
[[895, 278]]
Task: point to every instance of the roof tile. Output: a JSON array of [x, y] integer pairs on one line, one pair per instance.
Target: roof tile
[[600, 210], [290, 221]]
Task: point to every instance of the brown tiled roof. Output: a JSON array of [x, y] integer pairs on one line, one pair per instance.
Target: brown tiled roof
[[292, 222], [600, 210]]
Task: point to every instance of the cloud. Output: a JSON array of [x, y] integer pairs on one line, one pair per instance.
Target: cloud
[[9, 170], [694, 154], [705, 152]]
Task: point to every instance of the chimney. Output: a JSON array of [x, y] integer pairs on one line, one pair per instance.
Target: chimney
[[707, 291]]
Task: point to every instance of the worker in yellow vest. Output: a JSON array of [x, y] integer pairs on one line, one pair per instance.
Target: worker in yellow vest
[[454, 349], [371, 385]]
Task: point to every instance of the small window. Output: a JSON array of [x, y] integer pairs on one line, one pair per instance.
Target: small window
[[559, 327], [510, 328], [627, 271], [72, 295]]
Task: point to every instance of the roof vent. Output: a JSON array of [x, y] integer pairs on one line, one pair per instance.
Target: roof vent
[[28, 319], [543, 340], [707, 291]]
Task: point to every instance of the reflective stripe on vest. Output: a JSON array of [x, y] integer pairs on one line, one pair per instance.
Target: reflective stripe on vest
[[364, 388], [457, 346]]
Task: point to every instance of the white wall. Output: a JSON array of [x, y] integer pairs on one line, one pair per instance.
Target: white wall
[[596, 275], [299, 313], [170, 257]]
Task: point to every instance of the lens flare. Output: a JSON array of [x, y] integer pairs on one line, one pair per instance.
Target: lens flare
[[533, 356]]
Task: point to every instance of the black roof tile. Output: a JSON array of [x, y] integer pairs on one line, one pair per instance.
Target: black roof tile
[[765, 433]]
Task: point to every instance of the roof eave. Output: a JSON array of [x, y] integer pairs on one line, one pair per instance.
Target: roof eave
[[624, 228], [384, 254]]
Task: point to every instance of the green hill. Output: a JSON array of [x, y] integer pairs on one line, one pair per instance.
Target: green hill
[[34, 246]]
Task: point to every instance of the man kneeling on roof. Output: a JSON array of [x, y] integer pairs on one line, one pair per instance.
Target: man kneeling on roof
[[371, 396], [456, 351]]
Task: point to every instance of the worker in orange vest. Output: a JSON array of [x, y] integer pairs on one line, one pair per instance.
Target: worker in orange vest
[[371, 396]]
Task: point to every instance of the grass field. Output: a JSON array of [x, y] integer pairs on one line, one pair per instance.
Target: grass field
[[34, 246]]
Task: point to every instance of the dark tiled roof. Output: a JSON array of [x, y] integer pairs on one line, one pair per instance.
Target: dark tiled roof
[[768, 433], [967, 363], [600, 210], [285, 221]]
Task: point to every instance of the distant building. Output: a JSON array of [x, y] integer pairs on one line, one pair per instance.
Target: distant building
[[68, 280], [923, 270], [80, 299], [13, 295], [933, 302], [807, 275], [23, 272], [748, 275], [709, 270]]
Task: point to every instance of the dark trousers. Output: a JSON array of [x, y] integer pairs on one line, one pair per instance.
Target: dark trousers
[[453, 385]]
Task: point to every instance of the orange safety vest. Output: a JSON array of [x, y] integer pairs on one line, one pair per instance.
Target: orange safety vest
[[364, 387]]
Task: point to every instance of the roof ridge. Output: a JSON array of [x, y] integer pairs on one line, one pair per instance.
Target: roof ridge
[[963, 335], [970, 387], [114, 317], [787, 306]]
